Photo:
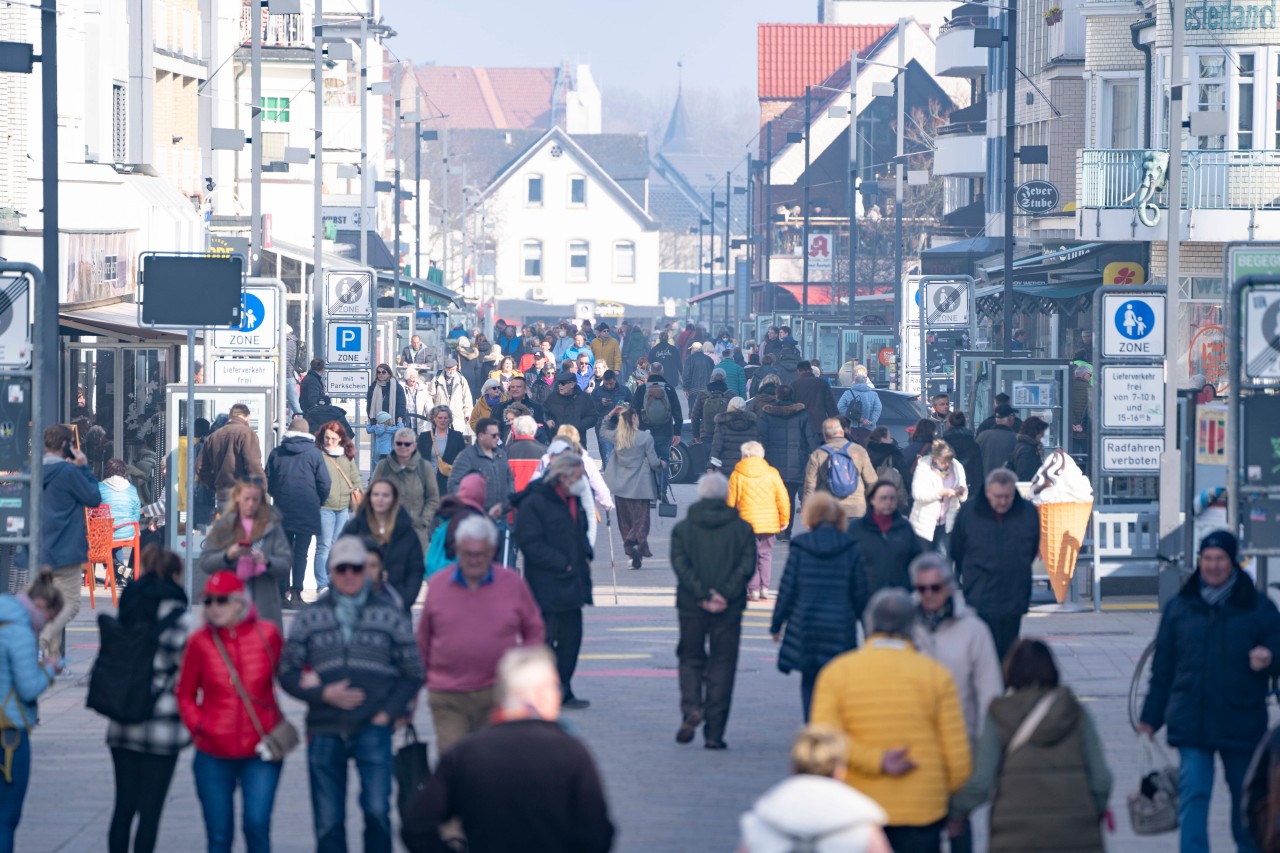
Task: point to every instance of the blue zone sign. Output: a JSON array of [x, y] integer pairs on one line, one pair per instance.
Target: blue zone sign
[[349, 343]]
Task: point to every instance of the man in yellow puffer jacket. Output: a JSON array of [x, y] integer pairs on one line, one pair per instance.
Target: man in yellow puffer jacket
[[757, 492], [908, 749]]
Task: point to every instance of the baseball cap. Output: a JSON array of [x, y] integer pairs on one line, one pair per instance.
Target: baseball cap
[[224, 583], [347, 551]]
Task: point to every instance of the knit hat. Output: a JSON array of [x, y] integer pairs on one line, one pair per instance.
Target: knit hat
[[347, 551], [464, 341], [224, 583], [1223, 541], [384, 417], [695, 347], [471, 491]]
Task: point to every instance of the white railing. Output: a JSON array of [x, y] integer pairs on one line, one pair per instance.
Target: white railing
[[1211, 180]]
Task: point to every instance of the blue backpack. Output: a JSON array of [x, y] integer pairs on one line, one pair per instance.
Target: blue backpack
[[842, 474], [436, 558]]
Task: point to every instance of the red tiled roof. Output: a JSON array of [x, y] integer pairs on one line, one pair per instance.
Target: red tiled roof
[[792, 56], [489, 98]]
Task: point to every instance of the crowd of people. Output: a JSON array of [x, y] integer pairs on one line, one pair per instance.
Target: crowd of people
[[907, 574]]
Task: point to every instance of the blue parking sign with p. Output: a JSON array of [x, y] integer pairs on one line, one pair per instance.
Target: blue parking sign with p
[[349, 343], [348, 339]]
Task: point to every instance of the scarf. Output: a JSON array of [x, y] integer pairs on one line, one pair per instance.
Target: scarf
[[376, 403], [347, 608], [1215, 595], [933, 621], [884, 522]]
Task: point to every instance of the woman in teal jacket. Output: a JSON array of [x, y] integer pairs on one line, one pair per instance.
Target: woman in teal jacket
[[22, 679]]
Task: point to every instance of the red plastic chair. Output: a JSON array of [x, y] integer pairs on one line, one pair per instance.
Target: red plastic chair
[[101, 529]]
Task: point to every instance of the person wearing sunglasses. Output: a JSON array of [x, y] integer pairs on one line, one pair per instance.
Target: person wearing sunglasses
[[419, 493], [224, 726], [352, 657], [823, 591], [386, 395]]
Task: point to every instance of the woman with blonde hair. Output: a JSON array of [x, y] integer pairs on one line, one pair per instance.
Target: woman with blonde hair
[[506, 370], [814, 809], [938, 488], [823, 591], [630, 478], [249, 541], [595, 496], [440, 444], [384, 519], [756, 490]]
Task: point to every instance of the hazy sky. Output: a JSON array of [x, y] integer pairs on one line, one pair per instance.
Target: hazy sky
[[632, 44]]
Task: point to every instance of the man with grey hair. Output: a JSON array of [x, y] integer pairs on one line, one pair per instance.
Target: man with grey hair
[[907, 745], [841, 468], [524, 444], [523, 783], [952, 634], [995, 540], [473, 616], [713, 553]]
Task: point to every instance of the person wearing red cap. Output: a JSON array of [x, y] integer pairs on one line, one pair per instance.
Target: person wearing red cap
[[224, 728]]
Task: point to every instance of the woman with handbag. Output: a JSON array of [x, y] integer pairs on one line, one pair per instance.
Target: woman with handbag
[[249, 540], [345, 494], [383, 518], [1039, 761], [631, 478], [226, 696], [145, 753], [440, 445]]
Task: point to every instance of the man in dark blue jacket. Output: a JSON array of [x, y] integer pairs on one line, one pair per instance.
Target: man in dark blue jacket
[[1218, 643], [69, 487], [299, 482]]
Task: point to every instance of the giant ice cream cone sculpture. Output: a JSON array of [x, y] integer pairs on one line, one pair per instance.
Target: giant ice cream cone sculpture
[[1065, 500]]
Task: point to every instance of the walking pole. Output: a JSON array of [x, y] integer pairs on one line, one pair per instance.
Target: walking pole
[[613, 561]]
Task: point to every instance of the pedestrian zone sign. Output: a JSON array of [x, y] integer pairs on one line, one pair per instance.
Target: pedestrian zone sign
[[1262, 332], [1133, 325], [259, 327]]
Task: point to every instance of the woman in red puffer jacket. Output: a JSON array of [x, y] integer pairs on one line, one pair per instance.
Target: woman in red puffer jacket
[[224, 734]]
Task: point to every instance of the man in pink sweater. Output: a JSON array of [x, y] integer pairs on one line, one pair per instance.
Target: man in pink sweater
[[474, 612]]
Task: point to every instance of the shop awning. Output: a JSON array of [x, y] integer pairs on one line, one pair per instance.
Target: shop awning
[[1065, 296], [1053, 261], [819, 294], [379, 255], [116, 320], [710, 294], [434, 291]]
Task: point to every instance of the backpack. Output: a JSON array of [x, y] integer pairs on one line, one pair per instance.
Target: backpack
[[789, 357], [120, 684], [657, 411], [854, 411], [842, 474], [436, 558]]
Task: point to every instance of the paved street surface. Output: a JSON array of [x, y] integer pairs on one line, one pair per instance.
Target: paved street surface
[[664, 797]]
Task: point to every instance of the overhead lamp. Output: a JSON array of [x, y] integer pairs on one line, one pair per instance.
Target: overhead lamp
[[382, 87], [794, 138], [348, 170], [342, 49], [883, 89], [297, 155], [227, 139], [917, 177]]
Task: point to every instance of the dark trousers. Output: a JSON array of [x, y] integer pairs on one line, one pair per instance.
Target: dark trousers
[[708, 656], [915, 839], [1004, 630], [564, 636], [792, 490], [941, 541], [142, 783], [300, 543], [807, 682]]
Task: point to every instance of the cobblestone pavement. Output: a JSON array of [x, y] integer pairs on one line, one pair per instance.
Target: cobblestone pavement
[[664, 797]]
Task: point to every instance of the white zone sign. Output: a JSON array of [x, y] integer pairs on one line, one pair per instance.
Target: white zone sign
[[15, 322], [346, 383], [348, 293], [350, 343], [1133, 397], [1137, 455], [259, 324], [1133, 325], [947, 304], [245, 371], [1262, 333]]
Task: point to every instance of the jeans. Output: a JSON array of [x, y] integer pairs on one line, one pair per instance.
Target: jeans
[[1195, 785], [327, 758], [1004, 631], [808, 680], [331, 523], [506, 552], [216, 780], [708, 661], [12, 795], [564, 636], [301, 544], [792, 490], [606, 449], [764, 563], [142, 783]]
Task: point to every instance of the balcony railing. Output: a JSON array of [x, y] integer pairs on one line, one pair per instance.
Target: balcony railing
[[1211, 180]]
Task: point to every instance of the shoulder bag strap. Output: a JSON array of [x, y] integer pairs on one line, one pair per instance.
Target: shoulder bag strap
[[1031, 722], [235, 681], [343, 475]]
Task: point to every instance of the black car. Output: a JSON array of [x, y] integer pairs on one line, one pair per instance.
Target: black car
[[901, 412]]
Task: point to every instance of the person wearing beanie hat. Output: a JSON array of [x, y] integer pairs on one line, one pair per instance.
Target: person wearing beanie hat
[[224, 727], [352, 657], [466, 502], [569, 404], [382, 431], [1218, 643]]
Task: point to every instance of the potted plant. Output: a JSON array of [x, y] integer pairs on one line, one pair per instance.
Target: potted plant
[[1053, 15]]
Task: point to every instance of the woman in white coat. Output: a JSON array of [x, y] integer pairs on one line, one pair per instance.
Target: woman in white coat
[[938, 487]]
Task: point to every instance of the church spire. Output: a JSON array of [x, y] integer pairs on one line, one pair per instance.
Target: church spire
[[677, 139]]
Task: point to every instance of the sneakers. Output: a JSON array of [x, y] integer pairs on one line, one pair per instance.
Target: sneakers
[[635, 559], [764, 593], [753, 595], [688, 728]]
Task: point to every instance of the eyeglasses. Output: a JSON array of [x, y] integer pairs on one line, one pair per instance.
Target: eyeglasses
[[930, 587], [219, 600], [346, 569], [404, 444]]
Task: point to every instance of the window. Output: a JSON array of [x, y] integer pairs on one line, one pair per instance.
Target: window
[[624, 261], [110, 267], [119, 124], [531, 259], [1211, 94], [533, 191], [579, 251], [275, 109], [273, 145], [577, 191], [1120, 102], [1244, 102]]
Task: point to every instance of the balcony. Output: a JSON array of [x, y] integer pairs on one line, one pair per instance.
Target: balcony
[[961, 147], [1066, 38], [955, 54], [1226, 196]]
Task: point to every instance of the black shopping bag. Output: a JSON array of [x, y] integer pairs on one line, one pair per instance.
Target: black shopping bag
[[411, 769]]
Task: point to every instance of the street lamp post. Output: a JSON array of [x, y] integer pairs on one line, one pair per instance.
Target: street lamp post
[[804, 241], [853, 181], [768, 218], [1010, 131]]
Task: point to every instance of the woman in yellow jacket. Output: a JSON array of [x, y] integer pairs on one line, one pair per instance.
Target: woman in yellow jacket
[[490, 396], [756, 490]]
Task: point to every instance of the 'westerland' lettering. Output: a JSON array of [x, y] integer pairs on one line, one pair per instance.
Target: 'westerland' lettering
[[1230, 15]]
